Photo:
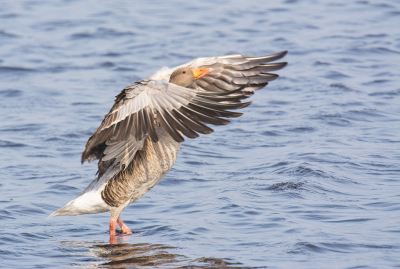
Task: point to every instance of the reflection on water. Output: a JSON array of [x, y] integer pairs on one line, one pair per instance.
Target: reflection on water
[[126, 255]]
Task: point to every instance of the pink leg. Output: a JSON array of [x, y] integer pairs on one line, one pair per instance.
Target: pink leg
[[125, 229], [113, 228]]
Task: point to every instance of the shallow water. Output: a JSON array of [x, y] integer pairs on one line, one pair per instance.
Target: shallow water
[[308, 177]]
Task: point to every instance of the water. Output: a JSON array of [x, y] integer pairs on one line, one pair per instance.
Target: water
[[307, 178]]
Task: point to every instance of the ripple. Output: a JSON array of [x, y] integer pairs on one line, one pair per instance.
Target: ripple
[[363, 115], [374, 50], [376, 81], [5, 34], [107, 64], [305, 129], [25, 210], [332, 119], [6, 144], [352, 220], [286, 186], [336, 75], [302, 171], [4, 215], [23, 128], [63, 188], [270, 133], [340, 86], [9, 253], [8, 69], [321, 63], [11, 93], [83, 104], [102, 33], [386, 93]]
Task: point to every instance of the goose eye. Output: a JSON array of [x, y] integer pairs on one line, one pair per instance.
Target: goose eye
[[184, 72]]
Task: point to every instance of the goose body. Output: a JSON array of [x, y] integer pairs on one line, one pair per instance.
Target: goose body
[[138, 141]]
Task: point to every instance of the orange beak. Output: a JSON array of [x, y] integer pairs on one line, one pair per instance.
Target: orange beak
[[200, 72]]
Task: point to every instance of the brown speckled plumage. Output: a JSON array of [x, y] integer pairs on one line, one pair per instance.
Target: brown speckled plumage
[[148, 167]]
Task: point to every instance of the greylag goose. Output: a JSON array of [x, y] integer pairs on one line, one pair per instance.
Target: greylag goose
[[139, 139]]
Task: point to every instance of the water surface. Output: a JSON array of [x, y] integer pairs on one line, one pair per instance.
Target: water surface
[[308, 177]]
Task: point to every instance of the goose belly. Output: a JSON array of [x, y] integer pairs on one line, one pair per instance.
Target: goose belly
[[146, 170]]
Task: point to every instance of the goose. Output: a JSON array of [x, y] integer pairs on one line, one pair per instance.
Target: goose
[[138, 141]]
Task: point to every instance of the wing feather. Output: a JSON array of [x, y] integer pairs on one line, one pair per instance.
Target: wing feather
[[191, 123], [145, 106], [233, 71]]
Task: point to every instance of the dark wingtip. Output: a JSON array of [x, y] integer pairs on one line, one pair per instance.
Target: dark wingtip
[[246, 104], [225, 122], [211, 131], [284, 64], [83, 158], [278, 55]]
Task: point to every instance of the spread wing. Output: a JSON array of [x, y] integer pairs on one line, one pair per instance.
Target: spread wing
[[150, 104], [234, 71]]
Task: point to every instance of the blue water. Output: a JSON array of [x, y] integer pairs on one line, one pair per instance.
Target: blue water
[[308, 177]]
